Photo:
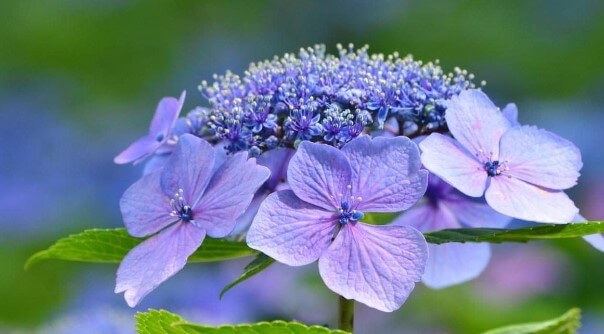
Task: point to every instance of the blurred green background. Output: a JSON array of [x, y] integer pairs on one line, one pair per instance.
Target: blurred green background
[[79, 80]]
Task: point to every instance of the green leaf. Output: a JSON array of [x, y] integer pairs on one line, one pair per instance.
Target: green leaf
[[568, 323], [164, 322], [381, 218], [541, 232], [261, 262], [111, 245]]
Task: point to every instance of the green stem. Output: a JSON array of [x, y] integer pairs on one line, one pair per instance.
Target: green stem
[[346, 315]]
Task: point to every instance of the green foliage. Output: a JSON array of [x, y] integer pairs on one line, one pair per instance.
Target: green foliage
[[495, 235], [164, 322], [568, 323], [261, 262], [111, 245]]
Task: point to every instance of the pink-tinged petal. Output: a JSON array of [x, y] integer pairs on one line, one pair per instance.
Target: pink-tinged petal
[[229, 194], [596, 240], [385, 173], [428, 217], [476, 123], [189, 168], [138, 150], [145, 208], [155, 260], [510, 112], [453, 263], [522, 200], [375, 265], [319, 174], [540, 157], [444, 157], [290, 230], [474, 212], [166, 115]]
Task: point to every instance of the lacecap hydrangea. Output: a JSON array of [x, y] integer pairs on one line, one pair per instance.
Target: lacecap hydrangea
[[319, 97]]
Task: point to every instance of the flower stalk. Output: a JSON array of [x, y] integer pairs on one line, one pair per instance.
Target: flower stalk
[[346, 315]]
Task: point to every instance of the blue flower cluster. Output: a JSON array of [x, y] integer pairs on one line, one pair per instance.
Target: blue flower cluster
[[320, 97]]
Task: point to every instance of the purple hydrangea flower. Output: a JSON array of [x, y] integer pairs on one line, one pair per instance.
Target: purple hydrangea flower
[[320, 218], [445, 207], [524, 169], [160, 129], [191, 197]]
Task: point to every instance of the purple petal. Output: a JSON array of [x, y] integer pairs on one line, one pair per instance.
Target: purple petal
[[444, 157], [166, 115], [474, 213], [453, 263], [375, 265], [189, 168], [229, 194], [145, 208], [290, 230], [540, 157], [138, 150], [428, 217], [277, 161], [522, 200], [476, 123], [385, 173], [510, 112], [155, 260], [319, 174]]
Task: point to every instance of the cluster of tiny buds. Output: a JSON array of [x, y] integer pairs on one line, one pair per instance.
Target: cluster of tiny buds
[[327, 98]]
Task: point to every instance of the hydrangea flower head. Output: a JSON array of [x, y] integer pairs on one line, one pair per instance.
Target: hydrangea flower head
[[194, 195], [327, 98], [320, 218], [523, 169], [445, 207], [160, 129]]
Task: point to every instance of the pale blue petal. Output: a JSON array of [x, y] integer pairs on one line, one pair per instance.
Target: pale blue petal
[[474, 212], [455, 263], [145, 208], [290, 230], [476, 123], [518, 199], [386, 173], [540, 157], [444, 157], [511, 113], [157, 162], [319, 174], [596, 240], [229, 194], [155, 260], [375, 265], [428, 217]]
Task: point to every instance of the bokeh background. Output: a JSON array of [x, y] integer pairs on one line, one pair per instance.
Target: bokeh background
[[79, 80]]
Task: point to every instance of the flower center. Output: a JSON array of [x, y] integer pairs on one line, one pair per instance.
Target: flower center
[[493, 168], [347, 214], [180, 208], [160, 137]]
